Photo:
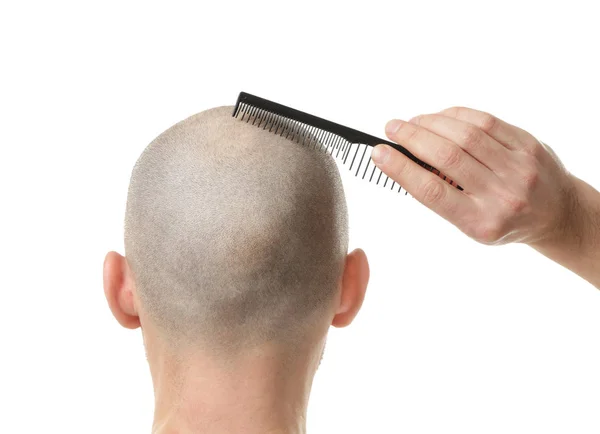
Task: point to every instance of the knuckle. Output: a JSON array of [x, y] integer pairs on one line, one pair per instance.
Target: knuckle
[[448, 156], [402, 166], [452, 112], [530, 174], [433, 191], [489, 233], [547, 149], [536, 148], [472, 137], [407, 132], [512, 203], [531, 178], [417, 119], [515, 204], [488, 122], [470, 229]]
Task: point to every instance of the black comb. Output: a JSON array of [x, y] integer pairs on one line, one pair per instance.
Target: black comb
[[341, 142]]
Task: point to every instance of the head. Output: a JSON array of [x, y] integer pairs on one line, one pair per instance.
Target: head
[[235, 239]]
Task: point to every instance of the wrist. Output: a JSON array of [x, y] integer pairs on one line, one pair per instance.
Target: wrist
[[571, 225], [576, 245]]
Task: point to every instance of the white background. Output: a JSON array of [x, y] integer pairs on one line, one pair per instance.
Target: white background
[[454, 337]]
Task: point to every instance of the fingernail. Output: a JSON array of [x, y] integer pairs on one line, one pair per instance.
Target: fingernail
[[393, 126], [380, 154]]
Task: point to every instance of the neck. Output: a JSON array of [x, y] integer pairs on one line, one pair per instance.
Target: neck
[[263, 391]]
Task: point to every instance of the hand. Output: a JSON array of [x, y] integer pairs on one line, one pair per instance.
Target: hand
[[515, 187]]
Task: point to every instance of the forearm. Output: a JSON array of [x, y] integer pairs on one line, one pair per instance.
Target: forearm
[[577, 246]]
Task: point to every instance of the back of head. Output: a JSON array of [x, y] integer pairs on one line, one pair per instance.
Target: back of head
[[235, 236]]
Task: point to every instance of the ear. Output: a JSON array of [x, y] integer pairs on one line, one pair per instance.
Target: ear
[[354, 286], [119, 290]]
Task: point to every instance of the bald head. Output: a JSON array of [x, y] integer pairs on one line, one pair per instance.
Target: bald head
[[234, 235]]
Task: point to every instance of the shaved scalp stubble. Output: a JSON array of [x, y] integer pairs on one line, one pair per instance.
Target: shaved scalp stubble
[[235, 235]]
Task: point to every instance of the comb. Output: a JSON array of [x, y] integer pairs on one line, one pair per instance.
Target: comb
[[344, 144]]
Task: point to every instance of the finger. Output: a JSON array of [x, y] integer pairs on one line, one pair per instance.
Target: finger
[[485, 149], [426, 187], [441, 153], [509, 135]]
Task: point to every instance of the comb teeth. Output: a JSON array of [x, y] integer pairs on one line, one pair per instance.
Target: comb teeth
[[339, 148]]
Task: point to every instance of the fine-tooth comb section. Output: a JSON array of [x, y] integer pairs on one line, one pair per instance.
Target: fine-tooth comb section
[[354, 154], [347, 145]]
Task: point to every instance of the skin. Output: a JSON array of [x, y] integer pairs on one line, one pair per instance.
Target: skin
[[515, 187], [263, 390]]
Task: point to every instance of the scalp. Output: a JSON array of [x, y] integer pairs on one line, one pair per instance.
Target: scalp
[[232, 232]]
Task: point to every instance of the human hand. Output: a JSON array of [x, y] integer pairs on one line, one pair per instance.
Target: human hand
[[515, 187]]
